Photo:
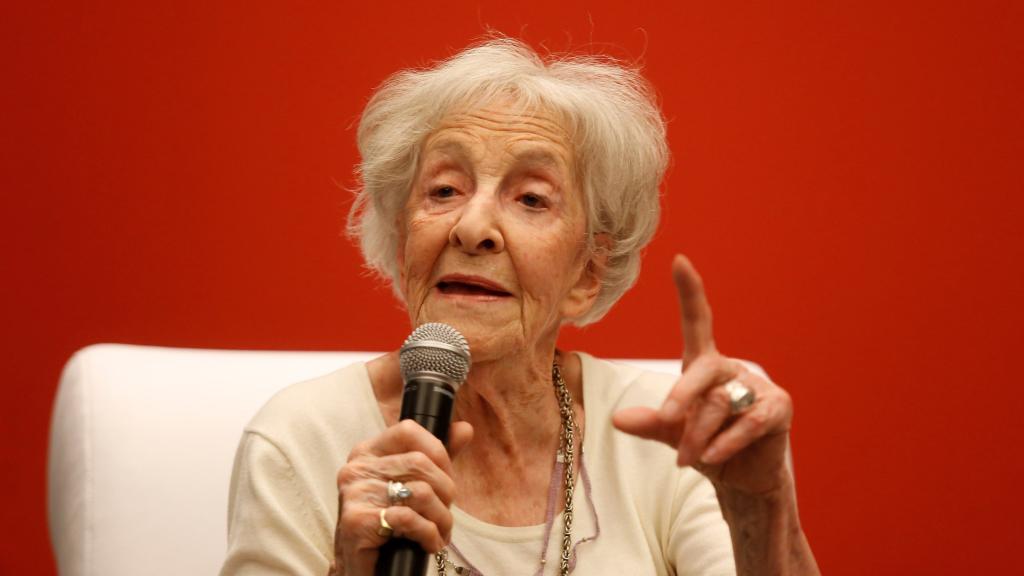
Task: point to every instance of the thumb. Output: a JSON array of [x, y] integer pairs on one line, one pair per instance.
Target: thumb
[[459, 435], [645, 423]]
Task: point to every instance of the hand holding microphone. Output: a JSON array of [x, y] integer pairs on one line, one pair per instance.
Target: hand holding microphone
[[435, 360], [382, 529]]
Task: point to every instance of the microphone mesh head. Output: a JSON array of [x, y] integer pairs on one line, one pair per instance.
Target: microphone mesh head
[[437, 349]]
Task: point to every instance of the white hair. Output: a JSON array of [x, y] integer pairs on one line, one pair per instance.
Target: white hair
[[609, 110]]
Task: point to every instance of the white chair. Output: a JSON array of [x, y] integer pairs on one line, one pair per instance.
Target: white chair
[[141, 447]]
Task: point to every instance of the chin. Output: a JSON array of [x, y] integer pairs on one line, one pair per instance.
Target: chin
[[488, 340], [493, 331]]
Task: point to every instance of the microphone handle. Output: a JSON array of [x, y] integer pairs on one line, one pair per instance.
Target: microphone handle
[[429, 403], [401, 557]]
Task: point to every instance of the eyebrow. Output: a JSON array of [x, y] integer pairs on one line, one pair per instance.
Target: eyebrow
[[541, 157], [448, 145]]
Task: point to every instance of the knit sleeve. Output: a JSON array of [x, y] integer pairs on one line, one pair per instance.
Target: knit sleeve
[[272, 521], [699, 542]]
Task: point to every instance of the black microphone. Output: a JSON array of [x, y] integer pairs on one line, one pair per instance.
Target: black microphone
[[434, 360]]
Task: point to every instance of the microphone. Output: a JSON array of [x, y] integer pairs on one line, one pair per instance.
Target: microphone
[[434, 361]]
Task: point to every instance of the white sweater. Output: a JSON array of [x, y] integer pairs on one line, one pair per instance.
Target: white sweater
[[654, 518]]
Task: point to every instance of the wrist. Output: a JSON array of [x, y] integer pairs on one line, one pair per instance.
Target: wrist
[[765, 527], [778, 497]]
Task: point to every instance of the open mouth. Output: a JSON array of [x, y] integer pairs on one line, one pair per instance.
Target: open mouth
[[464, 288]]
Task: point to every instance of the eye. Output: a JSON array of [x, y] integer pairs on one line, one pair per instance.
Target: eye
[[532, 201], [443, 192]]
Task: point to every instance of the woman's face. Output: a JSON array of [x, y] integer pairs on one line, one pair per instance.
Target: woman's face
[[494, 232]]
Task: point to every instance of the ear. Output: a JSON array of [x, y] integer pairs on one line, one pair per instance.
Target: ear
[[588, 286]]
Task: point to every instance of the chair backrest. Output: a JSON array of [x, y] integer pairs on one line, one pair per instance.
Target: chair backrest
[[141, 448]]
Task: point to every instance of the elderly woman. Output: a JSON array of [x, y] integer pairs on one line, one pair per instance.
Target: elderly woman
[[507, 196]]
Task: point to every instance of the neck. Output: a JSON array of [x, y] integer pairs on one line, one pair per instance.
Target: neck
[[504, 474], [512, 406]]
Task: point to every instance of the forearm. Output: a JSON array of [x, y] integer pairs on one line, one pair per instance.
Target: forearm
[[766, 533]]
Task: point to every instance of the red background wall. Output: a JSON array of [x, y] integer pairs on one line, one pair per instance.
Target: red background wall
[[847, 178]]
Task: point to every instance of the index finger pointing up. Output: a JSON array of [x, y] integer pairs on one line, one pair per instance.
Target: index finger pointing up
[[694, 310]]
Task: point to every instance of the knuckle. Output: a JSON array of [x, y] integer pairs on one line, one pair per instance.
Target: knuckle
[[346, 475], [446, 490], [359, 450], [437, 452], [406, 521], [739, 368], [417, 463], [423, 440], [718, 397], [349, 519], [784, 397], [401, 515], [714, 364], [724, 365], [704, 361], [758, 421], [422, 493], [408, 428]]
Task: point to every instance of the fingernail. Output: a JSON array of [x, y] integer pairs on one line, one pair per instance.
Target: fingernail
[[710, 456], [672, 410]]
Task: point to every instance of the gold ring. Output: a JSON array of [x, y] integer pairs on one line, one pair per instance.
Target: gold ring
[[385, 529]]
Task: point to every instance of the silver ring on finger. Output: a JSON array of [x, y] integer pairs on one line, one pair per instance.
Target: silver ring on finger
[[398, 493], [741, 397], [385, 529]]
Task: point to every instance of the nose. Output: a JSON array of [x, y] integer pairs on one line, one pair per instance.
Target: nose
[[478, 230]]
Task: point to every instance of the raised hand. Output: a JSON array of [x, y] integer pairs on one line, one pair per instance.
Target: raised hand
[[744, 452]]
